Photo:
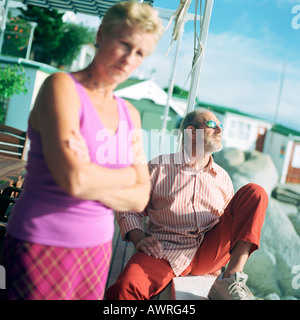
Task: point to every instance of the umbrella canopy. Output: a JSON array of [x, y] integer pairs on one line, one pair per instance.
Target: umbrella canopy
[[92, 7]]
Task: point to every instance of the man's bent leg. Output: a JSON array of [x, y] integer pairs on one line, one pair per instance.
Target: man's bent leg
[[238, 257], [248, 208], [142, 278], [242, 221]]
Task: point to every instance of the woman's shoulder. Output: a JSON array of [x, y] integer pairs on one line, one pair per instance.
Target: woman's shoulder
[[59, 78], [57, 90], [59, 84]]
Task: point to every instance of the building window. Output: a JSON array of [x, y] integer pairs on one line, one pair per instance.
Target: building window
[[239, 130]]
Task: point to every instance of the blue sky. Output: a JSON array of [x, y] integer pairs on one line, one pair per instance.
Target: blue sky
[[248, 43]]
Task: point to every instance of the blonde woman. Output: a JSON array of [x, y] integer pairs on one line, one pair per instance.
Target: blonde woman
[[59, 234]]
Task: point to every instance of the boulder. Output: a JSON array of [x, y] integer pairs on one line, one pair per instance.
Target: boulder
[[295, 219], [270, 269], [293, 213], [258, 168], [261, 269], [255, 167], [230, 157]]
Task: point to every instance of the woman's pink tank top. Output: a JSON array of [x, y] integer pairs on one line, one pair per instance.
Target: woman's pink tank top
[[44, 213]]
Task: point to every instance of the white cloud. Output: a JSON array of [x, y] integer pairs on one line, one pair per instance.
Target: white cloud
[[244, 73], [238, 72]]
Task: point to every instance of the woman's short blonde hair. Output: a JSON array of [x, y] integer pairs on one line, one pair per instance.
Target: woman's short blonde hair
[[132, 14]]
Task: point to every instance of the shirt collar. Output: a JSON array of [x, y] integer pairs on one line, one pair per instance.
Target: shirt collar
[[183, 159]]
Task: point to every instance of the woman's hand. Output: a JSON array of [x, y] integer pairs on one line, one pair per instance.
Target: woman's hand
[[78, 144]]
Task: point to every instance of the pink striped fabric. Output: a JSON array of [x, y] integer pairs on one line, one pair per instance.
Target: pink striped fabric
[[184, 204], [39, 272]]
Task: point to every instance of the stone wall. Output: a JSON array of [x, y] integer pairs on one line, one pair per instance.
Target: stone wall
[[274, 270]]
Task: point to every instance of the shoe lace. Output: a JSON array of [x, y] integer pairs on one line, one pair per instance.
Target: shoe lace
[[240, 291]]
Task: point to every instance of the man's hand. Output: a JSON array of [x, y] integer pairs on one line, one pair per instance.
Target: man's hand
[[149, 245]]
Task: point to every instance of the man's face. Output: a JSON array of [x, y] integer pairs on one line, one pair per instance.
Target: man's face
[[211, 135]]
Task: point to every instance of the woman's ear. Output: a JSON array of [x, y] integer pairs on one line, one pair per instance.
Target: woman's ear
[[99, 36]]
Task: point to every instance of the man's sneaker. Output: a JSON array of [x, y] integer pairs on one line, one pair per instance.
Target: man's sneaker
[[233, 288]]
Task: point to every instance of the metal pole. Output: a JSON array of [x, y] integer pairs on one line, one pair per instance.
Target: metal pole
[[198, 57], [280, 92], [33, 25], [278, 99], [3, 24], [170, 89], [169, 14]]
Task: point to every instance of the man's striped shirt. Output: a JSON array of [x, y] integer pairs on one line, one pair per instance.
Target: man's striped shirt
[[184, 204]]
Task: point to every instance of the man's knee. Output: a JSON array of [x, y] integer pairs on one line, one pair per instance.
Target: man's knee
[[254, 190], [249, 200]]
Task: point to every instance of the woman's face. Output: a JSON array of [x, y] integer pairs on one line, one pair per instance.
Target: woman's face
[[121, 52]]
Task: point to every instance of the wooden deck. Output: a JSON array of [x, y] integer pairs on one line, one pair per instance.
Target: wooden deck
[[121, 253]]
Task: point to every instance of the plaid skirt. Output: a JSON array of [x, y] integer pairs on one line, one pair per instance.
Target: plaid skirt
[[39, 272]]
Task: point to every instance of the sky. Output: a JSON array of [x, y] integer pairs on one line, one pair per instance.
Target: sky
[[253, 47]]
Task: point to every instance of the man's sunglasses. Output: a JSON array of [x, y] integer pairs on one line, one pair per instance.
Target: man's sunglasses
[[212, 124]]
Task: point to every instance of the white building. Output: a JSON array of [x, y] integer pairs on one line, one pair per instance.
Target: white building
[[84, 57], [248, 133], [283, 145]]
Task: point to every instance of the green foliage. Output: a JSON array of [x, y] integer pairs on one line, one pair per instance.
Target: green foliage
[[47, 34], [12, 81], [55, 42], [16, 37], [73, 37]]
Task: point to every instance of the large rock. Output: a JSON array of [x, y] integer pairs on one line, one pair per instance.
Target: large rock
[[295, 219], [248, 167], [271, 269], [293, 213], [230, 157]]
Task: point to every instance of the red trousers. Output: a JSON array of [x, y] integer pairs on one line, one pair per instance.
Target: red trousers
[[144, 276]]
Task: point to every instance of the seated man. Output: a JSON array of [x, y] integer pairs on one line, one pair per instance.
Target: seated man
[[196, 222]]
